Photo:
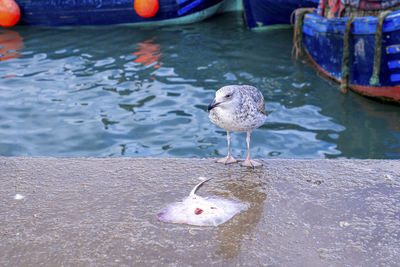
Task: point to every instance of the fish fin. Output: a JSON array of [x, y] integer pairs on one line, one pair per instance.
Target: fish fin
[[192, 193]]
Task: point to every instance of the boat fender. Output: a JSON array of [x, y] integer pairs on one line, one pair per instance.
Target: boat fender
[[9, 13], [146, 8]]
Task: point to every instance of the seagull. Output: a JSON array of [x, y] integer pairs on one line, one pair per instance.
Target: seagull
[[238, 108]]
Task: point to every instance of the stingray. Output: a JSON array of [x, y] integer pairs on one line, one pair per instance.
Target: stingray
[[201, 211]]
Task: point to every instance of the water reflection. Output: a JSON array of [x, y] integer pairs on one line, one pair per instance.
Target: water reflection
[[148, 53], [10, 44], [366, 133], [247, 190]]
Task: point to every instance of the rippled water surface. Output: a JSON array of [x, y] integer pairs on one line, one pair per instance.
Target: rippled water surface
[[128, 91]]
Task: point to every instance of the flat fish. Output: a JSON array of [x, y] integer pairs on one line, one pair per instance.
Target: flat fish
[[201, 211]]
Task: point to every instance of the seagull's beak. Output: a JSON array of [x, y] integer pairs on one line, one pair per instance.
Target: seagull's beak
[[213, 105]]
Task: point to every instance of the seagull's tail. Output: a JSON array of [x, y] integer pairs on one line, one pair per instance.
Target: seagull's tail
[[192, 193]]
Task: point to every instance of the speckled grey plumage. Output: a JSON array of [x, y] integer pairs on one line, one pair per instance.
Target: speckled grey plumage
[[243, 111]]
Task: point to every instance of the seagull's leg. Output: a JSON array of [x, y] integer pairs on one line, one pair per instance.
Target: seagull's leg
[[228, 159], [250, 162]]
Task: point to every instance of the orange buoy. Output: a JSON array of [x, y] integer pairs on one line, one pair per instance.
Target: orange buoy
[[145, 8], [9, 13]]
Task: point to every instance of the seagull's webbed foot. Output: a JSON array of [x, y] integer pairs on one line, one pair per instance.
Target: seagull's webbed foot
[[227, 160], [250, 163]]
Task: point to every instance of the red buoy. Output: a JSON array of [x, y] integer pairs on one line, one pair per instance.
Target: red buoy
[[9, 13], [145, 8]]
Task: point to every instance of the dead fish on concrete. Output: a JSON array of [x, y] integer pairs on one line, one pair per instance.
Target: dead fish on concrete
[[196, 210]]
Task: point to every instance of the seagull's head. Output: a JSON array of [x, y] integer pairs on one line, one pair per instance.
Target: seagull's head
[[226, 97]]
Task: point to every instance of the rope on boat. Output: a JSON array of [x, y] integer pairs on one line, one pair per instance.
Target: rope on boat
[[374, 81], [298, 30], [346, 56]]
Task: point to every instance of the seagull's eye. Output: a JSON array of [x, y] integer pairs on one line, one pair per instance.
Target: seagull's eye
[[228, 95]]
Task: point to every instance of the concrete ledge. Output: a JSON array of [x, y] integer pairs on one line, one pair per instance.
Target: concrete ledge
[[102, 211]]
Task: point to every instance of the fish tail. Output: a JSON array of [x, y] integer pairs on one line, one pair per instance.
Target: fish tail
[[192, 193]]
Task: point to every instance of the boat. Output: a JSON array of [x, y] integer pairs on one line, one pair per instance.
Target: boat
[[261, 13], [106, 12], [364, 57]]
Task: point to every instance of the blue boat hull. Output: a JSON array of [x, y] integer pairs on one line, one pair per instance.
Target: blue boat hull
[[260, 13], [323, 43], [105, 12]]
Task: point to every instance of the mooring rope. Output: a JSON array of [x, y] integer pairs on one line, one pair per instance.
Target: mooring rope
[[298, 30], [374, 81], [346, 57]]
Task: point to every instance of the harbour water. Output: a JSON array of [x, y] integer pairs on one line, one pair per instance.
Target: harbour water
[[126, 91]]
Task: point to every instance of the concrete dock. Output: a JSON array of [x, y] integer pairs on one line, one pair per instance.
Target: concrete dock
[[103, 212]]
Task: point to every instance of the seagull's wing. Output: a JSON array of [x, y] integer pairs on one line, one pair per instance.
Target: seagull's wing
[[256, 95]]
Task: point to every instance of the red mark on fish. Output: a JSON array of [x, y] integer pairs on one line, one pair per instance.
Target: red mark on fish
[[198, 211]]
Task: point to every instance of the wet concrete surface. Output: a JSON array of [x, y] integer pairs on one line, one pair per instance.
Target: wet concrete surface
[[102, 212]]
